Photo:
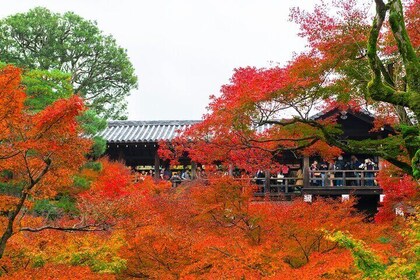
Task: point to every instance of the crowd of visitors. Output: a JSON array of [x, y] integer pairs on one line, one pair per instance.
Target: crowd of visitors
[[343, 173], [287, 176], [167, 174], [321, 173]]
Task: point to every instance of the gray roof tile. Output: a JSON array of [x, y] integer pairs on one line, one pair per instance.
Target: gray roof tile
[[143, 131]]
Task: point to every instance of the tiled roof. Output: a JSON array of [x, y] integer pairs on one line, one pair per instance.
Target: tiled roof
[[143, 131], [154, 131], [360, 112]]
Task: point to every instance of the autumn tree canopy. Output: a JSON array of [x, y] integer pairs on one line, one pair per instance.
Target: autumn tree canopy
[[205, 231], [351, 62], [39, 152], [115, 228], [100, 70]]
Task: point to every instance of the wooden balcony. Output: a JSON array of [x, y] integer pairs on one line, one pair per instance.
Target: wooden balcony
[[321, 182]]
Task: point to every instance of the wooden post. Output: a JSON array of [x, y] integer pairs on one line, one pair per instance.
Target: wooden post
[[157, 166], [267, 181], [121, 156], [344, 178], [306, 172], [362, 178], [193, 170]]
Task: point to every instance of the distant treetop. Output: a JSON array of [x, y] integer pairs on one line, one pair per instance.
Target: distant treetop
[[101, 71]]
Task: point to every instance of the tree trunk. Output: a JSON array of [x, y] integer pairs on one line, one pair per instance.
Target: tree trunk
[[11, 219]]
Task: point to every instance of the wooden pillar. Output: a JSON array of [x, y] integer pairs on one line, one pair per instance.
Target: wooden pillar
[[157, 166], [193, 170], [120, 156], [267, 181], [230, 172], [306, 172]]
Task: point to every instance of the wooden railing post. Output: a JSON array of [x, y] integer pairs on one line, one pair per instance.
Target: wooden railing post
[[193, 170], [306, 172], [344, 178], [267, 181], [362, 178]]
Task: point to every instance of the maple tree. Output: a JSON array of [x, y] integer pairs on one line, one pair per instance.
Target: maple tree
[[82, 238], [212, 228], [353, 63], [344, 67], [215, 230], [204, 229], [39, 152], [401, 192], [404, 265], [43, 87]]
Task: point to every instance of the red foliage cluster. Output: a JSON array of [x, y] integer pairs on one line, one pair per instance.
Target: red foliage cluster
[[216, 231], [210, 228], [352, 105], [337, 31], [412, 21], [112, 181], [39, 154], [29, 139], [58, 272], [400, 190], [207, 229]]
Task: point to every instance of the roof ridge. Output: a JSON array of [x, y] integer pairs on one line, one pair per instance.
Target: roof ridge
[[150, 122], [127, 131]]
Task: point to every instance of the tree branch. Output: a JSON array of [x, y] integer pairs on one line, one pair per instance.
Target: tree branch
[[67, 229], [376, 88]]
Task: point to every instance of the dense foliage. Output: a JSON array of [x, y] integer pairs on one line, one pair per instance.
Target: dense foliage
[[99, 69], [206, 230], [64, 217], [38, 152]]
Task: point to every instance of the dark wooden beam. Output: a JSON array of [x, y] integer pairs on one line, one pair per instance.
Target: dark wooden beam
[[157, 166]]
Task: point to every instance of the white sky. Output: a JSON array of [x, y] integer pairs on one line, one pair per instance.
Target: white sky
[[185, 50]]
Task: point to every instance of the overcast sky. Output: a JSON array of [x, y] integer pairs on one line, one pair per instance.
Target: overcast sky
[[185, 50]]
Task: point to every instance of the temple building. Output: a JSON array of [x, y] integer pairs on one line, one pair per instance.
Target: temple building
[[136, 144]]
